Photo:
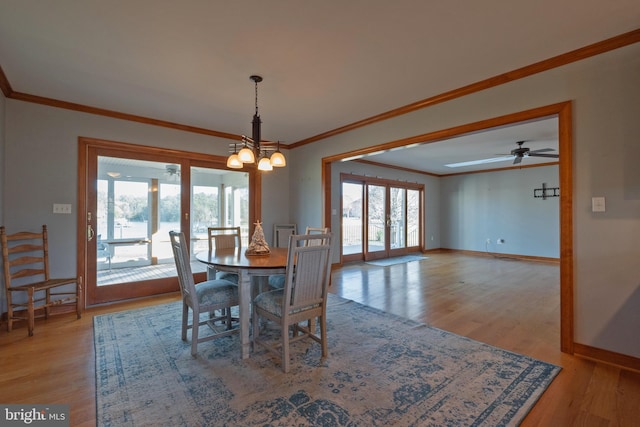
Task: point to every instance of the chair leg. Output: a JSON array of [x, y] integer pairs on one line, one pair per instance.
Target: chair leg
[[47, 303], [79, 298], [285, 347], [323, 337], [30, 311], [9, 312], [194, 333], [185, 320], [228, 313], [255, 329]]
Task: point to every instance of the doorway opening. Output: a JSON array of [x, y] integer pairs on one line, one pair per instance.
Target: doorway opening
[[563, 112]]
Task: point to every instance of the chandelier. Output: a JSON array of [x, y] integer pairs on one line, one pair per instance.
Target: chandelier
[[252, 150]]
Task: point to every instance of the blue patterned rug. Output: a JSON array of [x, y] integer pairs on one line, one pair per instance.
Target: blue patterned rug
[[381, 370]]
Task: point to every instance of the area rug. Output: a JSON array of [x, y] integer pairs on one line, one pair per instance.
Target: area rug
[[381, 370], [397, 260]]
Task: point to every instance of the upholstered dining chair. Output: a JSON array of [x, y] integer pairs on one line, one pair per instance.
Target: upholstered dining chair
[[277, 281], [201, 298], [223, 238], [25, 260], [303, 298]]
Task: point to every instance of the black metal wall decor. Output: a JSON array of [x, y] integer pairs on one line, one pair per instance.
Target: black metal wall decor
[[544, 192]]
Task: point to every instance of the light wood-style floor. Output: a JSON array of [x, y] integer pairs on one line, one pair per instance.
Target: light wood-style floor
[[507, 303]]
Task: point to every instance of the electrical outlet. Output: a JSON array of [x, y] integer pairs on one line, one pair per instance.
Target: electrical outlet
[[488, 241]]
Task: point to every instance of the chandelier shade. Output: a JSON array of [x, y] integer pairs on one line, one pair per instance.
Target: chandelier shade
[[253, 150]]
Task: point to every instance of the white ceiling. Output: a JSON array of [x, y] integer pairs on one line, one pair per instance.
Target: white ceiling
[[325, 64]]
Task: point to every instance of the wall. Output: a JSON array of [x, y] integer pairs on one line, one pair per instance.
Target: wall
[[500, 205], [3, 102], [605, 91], [41, 160], [41, 168]]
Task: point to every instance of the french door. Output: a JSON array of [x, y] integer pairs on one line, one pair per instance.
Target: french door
[[380, 218], [133, 196]]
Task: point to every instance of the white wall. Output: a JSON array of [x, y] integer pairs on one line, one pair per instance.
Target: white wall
[[500, 205], [606, 95]]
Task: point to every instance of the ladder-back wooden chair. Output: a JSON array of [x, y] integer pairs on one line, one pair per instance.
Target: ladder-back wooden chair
[[303, 298], [201, 298], [316, 230], [281, 233], [277, 281], [223, 238], [25, 260]]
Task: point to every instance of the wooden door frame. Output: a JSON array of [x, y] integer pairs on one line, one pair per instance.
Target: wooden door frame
[[86, 144], [564, 114]]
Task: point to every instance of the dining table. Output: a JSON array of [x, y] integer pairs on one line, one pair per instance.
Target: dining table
[[251, 270]]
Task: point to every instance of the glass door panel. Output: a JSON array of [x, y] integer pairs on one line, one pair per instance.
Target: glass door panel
[[413, 218], [376, 230], [136, 203], [219, 198], [352, 228], [397, 218]]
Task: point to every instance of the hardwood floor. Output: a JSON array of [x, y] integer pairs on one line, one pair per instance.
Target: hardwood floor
[[507, 303]]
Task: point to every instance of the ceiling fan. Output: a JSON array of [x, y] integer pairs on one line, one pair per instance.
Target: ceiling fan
[[521, 152], [172, 170], [517, 153]]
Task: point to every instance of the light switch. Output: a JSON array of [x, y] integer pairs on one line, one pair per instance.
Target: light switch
[[61, 208], [597, 204]]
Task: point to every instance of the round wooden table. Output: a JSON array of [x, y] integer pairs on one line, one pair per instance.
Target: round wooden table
[[235, 261]]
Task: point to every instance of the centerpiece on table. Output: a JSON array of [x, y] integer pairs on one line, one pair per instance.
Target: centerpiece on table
[[258, 245]]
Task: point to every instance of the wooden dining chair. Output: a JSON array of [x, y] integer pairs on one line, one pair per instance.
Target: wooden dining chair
[[316, 230], [25, 260], [202, 298], [303, 298], [223, 238], [281, 233], [277, 281]]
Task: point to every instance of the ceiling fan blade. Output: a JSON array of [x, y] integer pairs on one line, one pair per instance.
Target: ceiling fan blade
[[517, 160], [534, 154], [542, 150]]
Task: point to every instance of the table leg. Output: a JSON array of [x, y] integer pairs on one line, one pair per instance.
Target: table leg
[[244, 289]]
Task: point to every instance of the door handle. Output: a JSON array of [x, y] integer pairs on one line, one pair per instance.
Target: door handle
[[90, 233]]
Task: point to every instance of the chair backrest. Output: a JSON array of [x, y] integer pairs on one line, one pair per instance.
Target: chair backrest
[[308, 270], [25, 257], [281, 233], [183, 266], [313, 231], [224, 238]]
